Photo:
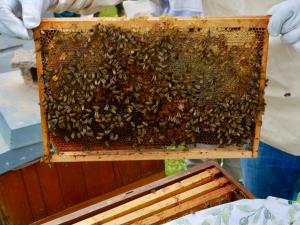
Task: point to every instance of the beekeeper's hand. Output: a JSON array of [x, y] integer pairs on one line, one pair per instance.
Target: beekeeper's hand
[[285, 20], [18, 17]]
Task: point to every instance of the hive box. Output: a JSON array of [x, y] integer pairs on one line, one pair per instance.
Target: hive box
[[20, 129]]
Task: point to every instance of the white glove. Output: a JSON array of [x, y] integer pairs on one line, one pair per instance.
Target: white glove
[[285, 20], [18, 17]]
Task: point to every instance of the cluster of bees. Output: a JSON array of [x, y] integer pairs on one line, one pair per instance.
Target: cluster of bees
[[128, 87]]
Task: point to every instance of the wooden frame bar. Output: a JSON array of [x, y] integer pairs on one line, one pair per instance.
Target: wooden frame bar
[[262, 86], [123, 155], [77, 24], [148, 200], [185, 207], [159, 206]]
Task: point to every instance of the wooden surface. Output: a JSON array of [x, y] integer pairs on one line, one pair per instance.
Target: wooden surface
[[148, 200], [208, 186], [44, 125], [142, 210], [86, 24], [40, 190], [91, 206], [262, 85], [97, 205], [222, 194], [187, 186], [113, 155]]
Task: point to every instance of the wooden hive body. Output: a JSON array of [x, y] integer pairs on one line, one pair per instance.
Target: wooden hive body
[[40, 190], [200, 187]]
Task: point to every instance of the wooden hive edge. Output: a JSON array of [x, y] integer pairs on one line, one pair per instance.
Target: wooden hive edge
[[161, 195], [124, 155], [139, 189]]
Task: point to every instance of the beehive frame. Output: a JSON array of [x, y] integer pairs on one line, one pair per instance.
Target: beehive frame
[[145, 152]]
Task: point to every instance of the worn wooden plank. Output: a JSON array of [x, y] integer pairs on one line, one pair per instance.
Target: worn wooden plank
[[47, 177], [163, 205], [99, 177], [99, 204], [138, 189], [121, 195], [44, 125], [262, 85], [148, 167], [187, 206], [154, 197], [15, 199], [123, 155], [72, 183], [117, 174], [50, 186], [87, 23], [34, 192], [129, 171], [241, 188], [3, 213]]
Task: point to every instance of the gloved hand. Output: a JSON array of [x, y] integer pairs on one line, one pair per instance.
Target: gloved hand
[[18, 17], [285, 20]]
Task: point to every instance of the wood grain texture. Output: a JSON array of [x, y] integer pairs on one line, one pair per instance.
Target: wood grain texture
[[125, 155], [35, 195], [262, 85], [40, 190], [129, 171], [159, 197], [147, 166], [188, 206], [88, 23], [44, 125], [123, 195], [99, 178], [72, 183], [15, 199], [167, 205], [199, 187], [95, 205], [50, 187]]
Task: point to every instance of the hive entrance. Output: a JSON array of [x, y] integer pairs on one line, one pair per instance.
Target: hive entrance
[[142, 84]]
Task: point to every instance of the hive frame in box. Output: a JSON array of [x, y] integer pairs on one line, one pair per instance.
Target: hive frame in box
[[155, 190], [137, 153]]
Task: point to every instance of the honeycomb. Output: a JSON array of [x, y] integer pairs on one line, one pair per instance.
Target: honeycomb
[[110, 86]]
